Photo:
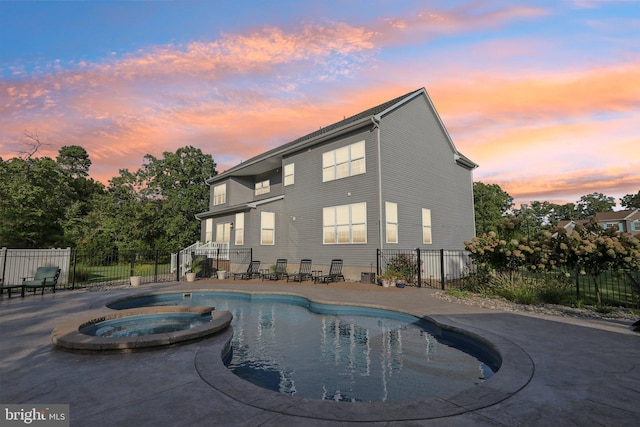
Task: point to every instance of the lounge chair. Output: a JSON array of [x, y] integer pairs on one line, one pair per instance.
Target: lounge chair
[[279, 272], [10, 288], [44, 277], [304, 272], [335, 273], [252, 271]]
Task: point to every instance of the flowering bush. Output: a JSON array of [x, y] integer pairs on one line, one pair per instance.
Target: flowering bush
[[489, 252], [590, 248], [403, 267]]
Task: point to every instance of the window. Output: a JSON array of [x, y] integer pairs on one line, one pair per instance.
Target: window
[[612, 225], [239, 226], [262, 187], [343, 162], [289, 174], [223, 232], [635, 226], [208, 230], [426, 226], [267, 228], [219, 194], [345, 224], [391, 215]]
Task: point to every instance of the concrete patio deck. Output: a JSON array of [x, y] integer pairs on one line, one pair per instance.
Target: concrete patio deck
[[557, 370]]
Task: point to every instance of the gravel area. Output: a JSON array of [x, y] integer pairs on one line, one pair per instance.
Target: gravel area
[[617, 313]]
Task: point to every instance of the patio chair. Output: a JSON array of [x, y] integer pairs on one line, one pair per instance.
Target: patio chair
[[303, 273], [335, 273], [45, 277], [279, 272], [10, 288], [252, 271]]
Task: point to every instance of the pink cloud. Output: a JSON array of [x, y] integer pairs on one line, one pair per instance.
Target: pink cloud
[[242, 94], [467, 18]]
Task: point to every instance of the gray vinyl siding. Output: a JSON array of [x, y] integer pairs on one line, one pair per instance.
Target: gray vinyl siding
[[306, 198], [240, 190], [267, 254], [419, 171]]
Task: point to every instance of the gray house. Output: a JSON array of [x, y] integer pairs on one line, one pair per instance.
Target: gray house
[[389, 177]]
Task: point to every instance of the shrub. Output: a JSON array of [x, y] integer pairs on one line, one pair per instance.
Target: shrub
[[404, 267], [143, 270], [515, 287]]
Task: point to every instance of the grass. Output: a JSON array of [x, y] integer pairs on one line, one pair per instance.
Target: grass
[[114, 272], [525, 287]]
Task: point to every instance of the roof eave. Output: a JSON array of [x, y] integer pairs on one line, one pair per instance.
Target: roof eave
[[292, 148]]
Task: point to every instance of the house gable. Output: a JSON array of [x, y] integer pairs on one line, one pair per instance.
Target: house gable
[[408, 160]]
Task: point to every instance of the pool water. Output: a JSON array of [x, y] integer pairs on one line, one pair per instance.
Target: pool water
[[145, 324], [340, 353]]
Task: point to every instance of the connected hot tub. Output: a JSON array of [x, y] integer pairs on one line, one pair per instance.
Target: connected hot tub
[[139, 328]]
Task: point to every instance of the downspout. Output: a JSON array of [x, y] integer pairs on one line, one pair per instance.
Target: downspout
[[376, 125]]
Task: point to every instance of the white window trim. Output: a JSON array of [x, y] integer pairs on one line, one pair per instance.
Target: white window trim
[[263, 187], [223, 232], [349, 162], [350, 224], [391, 211], [426, 226], [263, 215], [289, 174], [221, 197], [239, 229], [208, 230]]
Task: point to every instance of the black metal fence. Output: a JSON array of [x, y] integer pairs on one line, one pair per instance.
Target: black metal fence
[[82, 269], [446, 269], [426, 268]]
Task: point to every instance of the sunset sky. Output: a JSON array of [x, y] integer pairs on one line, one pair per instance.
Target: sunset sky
[[543, 95]]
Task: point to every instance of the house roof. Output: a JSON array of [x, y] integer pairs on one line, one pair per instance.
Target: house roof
[[615, 215], [272, 159], [602, 217]]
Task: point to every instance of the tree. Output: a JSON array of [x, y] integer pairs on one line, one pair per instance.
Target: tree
[[34, 194], [179, 181], [593, 250], [631, 201], [155, 206], [543, 213], [592, 203], [565, 212], [491, 203], [75, 160]]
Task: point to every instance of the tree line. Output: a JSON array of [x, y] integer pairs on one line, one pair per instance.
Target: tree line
[[493, 205], [46, 203]]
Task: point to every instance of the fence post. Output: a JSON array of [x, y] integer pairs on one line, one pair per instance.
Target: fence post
[[132, 254], [378, 272], [155, 268], [4, 262], [577, 282], [419, 267], [73, 274], [178, 265], [442, 268]]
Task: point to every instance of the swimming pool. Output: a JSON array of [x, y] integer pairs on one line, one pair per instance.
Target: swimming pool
[[341, 353]]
